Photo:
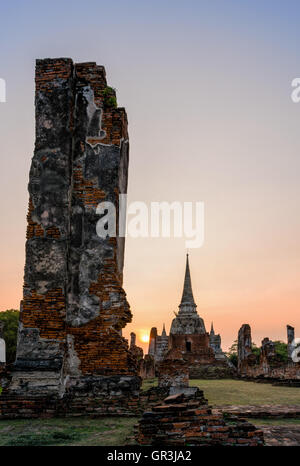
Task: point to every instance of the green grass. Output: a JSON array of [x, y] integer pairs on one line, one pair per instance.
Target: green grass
[[68, 431], [274, 422], [84, 431], [120, 430], [149, 383], [237, 392]]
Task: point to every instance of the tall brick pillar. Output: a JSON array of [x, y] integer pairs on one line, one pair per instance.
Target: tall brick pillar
[[74, 306], [290, 338]]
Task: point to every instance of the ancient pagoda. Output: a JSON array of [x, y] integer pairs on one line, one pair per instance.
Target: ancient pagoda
[[187, 320], [188, 339]]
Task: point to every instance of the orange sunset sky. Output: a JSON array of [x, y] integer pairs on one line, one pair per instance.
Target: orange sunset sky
[[207, 89]]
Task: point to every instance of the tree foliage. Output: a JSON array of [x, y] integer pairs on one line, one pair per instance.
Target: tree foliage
[[280, 350], [232, 353], [256, 352], [10, 332]]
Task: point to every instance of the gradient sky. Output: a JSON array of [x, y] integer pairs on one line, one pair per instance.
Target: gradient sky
[[207, 87]]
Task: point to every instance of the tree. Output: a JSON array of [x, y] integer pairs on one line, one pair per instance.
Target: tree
[[232, 353], [279, 346], [281, 350], [10, 333], [256, 351]]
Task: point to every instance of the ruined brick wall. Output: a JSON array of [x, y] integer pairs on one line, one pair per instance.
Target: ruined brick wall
[[173, 373], [186, 419], [137, 353], [162, 346], [246, 358], [290, 338], [152, 342], [2, 347], [147, 370], [194, 344], [74, 306], [198, 356], [269, 366], [109, 396]]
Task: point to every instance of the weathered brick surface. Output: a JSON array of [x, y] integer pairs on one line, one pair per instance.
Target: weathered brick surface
[[173, 372], [187, 420], [74, 306], [113, 396], [147, 370], [268, 366]]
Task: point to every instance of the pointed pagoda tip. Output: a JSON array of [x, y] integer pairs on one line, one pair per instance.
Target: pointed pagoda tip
[[187, 294], [212, 328]]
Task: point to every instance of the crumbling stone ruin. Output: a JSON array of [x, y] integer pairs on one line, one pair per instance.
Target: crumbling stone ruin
[[245, 355], [158, 348], [71, 356], [137, 352], [215, 343], [290, 338], [173, 372], [152, 342], [2, 348], [185, 419], [158, 344], [180, 415], [188, 338], [147, 368], [268, 366]]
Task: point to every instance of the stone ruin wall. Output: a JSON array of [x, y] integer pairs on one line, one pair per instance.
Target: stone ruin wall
[[290, 338], [185, 419], [2, 348], [173, 373], [269, 367], [147, 370], [179, 415], [202, 360], [74, 306], [137, 353]]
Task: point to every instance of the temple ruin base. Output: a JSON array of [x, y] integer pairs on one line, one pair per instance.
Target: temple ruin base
[[186, 419], [89, 396]]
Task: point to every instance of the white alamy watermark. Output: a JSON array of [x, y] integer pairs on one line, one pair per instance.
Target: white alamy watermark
[[295, 345], [295, 95], [154, 220], [2, 90]]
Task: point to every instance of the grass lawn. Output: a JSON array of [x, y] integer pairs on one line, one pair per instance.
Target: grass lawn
[[67, 431], [274, 422], [119, 430], [238, 392], [85, 431]]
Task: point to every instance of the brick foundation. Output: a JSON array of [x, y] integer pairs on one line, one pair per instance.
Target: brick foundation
[[186, 420]]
